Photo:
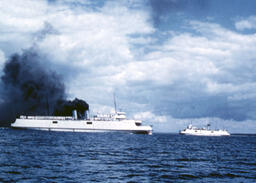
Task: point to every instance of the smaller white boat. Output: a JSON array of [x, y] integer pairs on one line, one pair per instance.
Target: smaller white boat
[[191, 130]]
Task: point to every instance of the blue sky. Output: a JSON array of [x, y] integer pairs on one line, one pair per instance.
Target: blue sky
[[169, 62]]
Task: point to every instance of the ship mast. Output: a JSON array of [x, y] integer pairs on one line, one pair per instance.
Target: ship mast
[[114, 96], [47, 105]]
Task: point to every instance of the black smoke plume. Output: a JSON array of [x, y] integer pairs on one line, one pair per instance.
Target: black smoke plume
[[65, 108], [29, 87]]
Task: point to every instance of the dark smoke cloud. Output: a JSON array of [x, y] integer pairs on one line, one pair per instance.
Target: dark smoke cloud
[[48, 29], [28, 87], [65, 108]]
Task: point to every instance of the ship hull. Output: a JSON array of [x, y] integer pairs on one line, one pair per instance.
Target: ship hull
[[82, 126]]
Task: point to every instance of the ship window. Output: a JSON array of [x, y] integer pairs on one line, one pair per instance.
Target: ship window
[[89, 123], [138, 124], [55, 122]]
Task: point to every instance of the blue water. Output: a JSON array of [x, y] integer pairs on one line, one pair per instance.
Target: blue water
[[38, 156]]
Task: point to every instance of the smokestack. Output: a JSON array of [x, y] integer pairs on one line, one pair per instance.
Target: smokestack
[[75, 114], [86, 115]]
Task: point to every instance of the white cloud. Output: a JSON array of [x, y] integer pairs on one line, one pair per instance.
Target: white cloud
[[101, 37], [22, 16], [150, 117], [249, 23]]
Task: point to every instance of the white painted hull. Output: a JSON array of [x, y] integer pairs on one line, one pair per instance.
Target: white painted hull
[[81, 125]]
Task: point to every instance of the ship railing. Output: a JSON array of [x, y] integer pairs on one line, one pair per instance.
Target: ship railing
[[48, 117], [103, 119]]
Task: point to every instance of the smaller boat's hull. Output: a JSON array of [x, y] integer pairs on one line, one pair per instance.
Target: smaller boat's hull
[[204, 133]]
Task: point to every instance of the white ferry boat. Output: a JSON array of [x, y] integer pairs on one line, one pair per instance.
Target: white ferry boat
[[191, 130], [99, 123]]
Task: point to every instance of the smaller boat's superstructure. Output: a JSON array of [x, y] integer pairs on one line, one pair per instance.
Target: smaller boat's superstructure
[[206, 131]]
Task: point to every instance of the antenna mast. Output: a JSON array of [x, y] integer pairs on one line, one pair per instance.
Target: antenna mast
[[114, 96], [47, 105]]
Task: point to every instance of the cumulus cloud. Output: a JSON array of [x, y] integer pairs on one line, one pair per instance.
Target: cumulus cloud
[[149, 116], [249, 23], [198, 75], [189, 75], [205, 70]]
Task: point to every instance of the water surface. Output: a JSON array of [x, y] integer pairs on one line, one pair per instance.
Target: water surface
[[40, 156]]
